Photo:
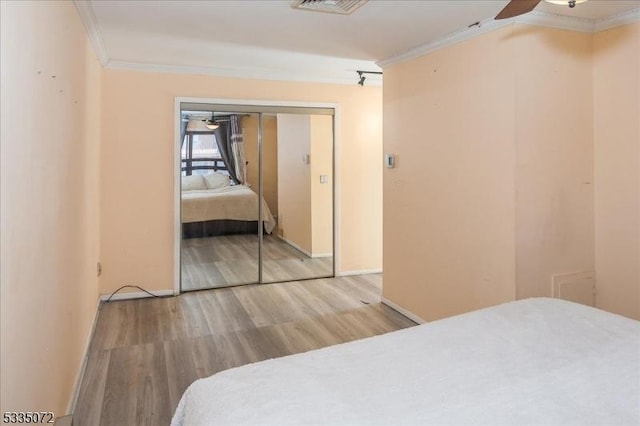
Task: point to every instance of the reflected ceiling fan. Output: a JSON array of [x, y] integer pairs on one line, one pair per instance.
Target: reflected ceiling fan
[[520, 7]]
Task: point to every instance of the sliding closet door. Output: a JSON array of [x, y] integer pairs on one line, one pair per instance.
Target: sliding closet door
[[219, 200], [297, 185], [257, 194]]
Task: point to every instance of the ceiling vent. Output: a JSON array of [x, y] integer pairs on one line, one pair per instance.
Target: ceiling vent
[[342, 7]]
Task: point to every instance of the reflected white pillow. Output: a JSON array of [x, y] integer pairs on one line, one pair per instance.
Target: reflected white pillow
[[216, 180], [193, 183]]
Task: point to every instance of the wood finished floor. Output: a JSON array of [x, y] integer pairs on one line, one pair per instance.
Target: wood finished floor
[[233, 259], [145, 352]]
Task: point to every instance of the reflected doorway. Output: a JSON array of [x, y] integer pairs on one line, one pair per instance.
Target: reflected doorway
[[257, 195]]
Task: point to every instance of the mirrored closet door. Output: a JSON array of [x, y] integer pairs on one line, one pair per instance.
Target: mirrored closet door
[[302, 160], [219, 209], [256, 195]]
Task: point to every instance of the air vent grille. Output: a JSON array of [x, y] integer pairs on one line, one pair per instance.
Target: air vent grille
[[342, 7]]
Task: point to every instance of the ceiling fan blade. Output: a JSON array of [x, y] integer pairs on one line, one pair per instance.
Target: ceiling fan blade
[[517, 7]]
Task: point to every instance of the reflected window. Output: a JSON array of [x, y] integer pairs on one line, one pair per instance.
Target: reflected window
[[200, 155]]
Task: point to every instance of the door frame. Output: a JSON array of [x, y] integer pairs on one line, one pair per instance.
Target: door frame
[[177, 235]]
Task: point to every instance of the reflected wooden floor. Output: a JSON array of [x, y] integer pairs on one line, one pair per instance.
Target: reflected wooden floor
[[145, 352], [233, 259]]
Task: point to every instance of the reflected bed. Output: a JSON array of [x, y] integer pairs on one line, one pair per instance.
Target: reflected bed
[[236, 203]]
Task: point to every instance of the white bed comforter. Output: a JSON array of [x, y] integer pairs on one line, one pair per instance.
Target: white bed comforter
[[536, 361], [237, 202]]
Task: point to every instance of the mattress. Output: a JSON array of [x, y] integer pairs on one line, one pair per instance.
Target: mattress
[[237, 202], [535, 361]]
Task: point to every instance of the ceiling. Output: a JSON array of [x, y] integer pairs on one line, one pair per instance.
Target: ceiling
[[270, 39]]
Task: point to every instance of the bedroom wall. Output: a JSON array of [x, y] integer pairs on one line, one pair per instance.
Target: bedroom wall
[[554, 156], [269, 157], [321, 127], [294, 180], [617, 164], [493, 189], [270, 161], [49, 202], [449, 204], [313, 233], [137, 196]]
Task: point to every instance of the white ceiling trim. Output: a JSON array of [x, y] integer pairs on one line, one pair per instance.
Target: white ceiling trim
[[532, 18], [623, 18], [561, 22], [88, 17], [459, 36]]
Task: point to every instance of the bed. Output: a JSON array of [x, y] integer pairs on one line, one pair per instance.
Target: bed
[[211, 206], [535, 361]]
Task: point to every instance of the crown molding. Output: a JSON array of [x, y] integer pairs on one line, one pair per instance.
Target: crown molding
[[532, 18], [344, 77], [453, 38], [620, 19], [88, 17], [552, 20]]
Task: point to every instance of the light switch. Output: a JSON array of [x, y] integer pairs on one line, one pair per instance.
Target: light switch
[[324, 178]]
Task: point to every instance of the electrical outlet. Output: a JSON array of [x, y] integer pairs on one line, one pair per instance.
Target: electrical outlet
[[390, 161]]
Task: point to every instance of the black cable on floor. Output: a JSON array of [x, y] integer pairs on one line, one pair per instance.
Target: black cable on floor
[[132, 286]]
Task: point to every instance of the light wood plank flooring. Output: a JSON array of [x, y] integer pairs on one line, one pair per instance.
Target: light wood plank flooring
[[145, 352], [233, 259]]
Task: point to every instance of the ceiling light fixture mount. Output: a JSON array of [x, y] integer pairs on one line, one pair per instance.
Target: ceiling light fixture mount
[[570, 3], [211, 123], [520, 7], [196, 126]]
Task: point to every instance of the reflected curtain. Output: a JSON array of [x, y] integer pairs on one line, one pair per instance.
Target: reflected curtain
[[237, 147], [223, 139], [183, 131]]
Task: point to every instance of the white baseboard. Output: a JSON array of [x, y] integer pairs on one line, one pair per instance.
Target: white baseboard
[[318, 255], [85, 358], [294, 245], [297, 247], [413, 317], [358, 272], [136, 295]]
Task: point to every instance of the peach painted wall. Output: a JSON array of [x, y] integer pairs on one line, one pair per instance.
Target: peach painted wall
[[554, 156], [269, 157], [270, 162], [321, 193], [137, 167], [493, 190], [50, 85], [449, 204], [617, 165], [294, 180]]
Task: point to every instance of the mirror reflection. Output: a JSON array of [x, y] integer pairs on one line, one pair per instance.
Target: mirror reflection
[[302, 246], [224, 168]]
